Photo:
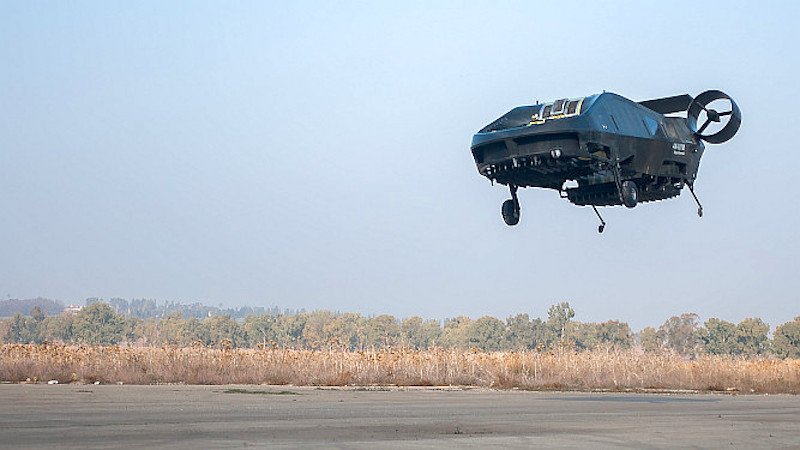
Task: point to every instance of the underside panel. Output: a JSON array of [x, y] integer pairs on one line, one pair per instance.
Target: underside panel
[[502, 151], [607, 195]]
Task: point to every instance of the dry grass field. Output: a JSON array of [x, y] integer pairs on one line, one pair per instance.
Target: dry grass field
[[613, 370]]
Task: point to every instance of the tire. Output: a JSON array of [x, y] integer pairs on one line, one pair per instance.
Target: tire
[[630, 194], [510, 212]]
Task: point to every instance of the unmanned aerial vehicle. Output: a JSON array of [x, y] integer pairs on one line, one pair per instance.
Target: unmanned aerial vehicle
[[604, 149]]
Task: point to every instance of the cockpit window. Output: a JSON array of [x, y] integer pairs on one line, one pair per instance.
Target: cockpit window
[[564, 107], [572, 107], [537, 114], [517, 117], [558, 106]]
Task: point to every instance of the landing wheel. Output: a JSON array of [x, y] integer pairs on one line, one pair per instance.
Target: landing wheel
[[630, 194], [510, 212]]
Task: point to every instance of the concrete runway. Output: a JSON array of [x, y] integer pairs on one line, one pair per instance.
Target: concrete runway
[[199, 417]]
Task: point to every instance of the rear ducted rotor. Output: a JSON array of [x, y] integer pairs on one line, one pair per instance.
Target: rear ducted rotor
[[715, 126]]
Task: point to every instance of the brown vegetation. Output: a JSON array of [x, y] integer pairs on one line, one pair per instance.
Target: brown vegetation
[[615, 370]]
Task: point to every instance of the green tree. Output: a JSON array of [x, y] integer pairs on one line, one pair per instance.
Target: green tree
[[588, 336], [149, 332], [260, 329], [579, 335], [558, 316], [751, 337], [193, 331], [487, 334], [718, 337], [314, 332], [681, 334], [410, 330], [5, 326], [171, 329], [786, 340], [650, 340], [287, 331], [382, 331], [519, 332], [455, 332], [23, 330], [37, 314], [420, 334], [98, 324], [613, 334], [347, 330], [430, 334], [541, 334], [57, 328], [225, 331]]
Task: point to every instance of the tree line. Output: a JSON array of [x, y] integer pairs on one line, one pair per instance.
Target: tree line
[[101, 324]]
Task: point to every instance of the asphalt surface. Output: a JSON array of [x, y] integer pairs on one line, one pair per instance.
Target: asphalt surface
[[199, 417]]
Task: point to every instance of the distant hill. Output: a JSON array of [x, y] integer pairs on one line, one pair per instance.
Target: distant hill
[[13, 306], [140, 308], [149, 308]]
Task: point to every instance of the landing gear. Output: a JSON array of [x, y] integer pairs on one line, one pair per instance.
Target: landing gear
[[627, 190], [699, 206], [510, 208], [602, 225], [629, 194]]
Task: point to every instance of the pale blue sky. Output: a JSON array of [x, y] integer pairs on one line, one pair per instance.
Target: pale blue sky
[[316, 155]]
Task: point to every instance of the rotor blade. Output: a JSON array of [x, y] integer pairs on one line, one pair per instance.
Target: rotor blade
[[726, 113], [700, 131]]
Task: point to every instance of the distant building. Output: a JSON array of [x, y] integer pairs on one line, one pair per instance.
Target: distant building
[[72, 309]]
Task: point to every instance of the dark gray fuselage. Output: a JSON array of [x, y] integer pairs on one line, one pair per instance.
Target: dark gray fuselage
[[659, 153]]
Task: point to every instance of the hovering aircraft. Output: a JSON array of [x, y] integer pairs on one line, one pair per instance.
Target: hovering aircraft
[[604, 149]]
